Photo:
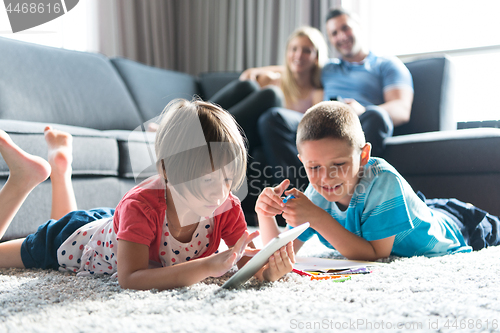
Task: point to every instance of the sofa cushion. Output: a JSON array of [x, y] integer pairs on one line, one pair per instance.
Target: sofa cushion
[[153, 88], [481, 189], [46, 84], [94, 153], [467, 151], [137, 153]]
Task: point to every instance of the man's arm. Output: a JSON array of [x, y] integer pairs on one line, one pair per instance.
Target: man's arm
[[399, 97], [398, 105]]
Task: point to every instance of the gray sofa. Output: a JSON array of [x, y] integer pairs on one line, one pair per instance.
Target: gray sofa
[[101, 102], [433, 156]]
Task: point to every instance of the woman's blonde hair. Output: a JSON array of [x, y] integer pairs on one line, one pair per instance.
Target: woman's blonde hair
[[195, 138], [288, 83]]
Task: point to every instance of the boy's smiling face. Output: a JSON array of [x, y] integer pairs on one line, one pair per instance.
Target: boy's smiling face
[[333, 167]]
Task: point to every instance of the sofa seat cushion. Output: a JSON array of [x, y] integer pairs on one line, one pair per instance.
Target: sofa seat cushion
[[94, 153], [46, 84], [137, 153], [446, 152]]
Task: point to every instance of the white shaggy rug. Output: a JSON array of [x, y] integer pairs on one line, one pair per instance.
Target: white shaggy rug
[[452, 293]]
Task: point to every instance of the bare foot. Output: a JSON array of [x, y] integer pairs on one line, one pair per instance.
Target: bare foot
[[153, 127], [24, 168], [60, 146]]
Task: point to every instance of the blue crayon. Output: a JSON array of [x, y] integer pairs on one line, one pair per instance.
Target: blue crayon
[[288, 197]]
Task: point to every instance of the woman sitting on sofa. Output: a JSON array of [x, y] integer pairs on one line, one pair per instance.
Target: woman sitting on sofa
[[260, 89], [299, 86], [300, 82]]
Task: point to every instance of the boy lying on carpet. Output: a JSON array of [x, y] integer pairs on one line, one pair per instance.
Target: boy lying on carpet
[[169, 219], [362, 206]]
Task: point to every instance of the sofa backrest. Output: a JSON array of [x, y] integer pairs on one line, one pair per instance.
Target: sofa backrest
[[431, 109], [153, 88], [46, 84]]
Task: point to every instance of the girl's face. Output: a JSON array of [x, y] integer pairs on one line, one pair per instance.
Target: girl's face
[[301, 55], [214, 189]]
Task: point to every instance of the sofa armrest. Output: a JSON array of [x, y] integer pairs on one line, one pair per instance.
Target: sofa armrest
[[446, 152], [462, 164]]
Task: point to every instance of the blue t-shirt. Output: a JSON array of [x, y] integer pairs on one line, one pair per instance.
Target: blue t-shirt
[[365, 82], [384, 205]]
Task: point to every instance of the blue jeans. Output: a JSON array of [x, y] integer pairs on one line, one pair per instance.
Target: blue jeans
[[479, 228], [246, 101]]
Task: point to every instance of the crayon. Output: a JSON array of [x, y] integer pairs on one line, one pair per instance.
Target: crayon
[[334, 277]]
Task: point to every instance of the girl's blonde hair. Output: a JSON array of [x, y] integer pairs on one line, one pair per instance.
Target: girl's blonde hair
[[195, 138], [288, 83]]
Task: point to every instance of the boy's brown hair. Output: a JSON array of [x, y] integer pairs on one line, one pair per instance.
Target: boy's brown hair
[[331, 120]]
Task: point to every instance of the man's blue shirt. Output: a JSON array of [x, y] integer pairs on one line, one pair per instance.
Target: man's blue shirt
[[367, 81]]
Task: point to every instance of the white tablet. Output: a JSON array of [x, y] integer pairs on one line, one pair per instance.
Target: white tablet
[[261, 258]]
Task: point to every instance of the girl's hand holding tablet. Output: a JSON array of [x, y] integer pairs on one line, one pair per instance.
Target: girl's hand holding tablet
[[219, 264]]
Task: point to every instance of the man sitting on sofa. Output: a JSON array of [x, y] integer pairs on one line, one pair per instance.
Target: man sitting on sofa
[[379, 89]]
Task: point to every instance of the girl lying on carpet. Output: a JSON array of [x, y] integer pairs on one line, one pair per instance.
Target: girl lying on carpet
[[168, 220]]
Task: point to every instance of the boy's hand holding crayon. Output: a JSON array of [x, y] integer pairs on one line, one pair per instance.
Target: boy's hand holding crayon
[[300, 209], [295, 211]]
